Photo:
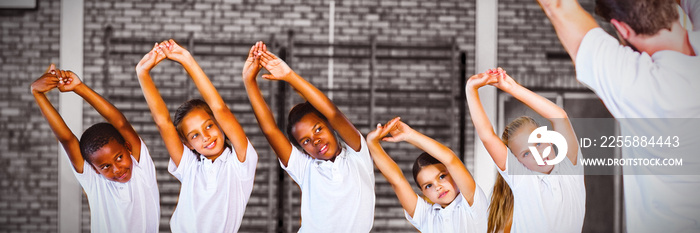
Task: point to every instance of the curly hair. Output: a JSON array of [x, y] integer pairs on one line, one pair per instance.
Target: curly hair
[[298, 112], [97, 136]]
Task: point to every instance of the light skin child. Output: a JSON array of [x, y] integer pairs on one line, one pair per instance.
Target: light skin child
[[313, 134], [203, 132], [440, 183], [518, 143], [112, 160]]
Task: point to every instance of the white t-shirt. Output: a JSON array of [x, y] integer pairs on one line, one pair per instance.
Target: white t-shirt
[[653, 90], [335, 196], [133, 206], [457, 217], [546, 203], [213, 195]]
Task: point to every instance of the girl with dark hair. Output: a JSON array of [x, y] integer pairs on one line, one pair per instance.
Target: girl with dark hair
[[452, 201], [336, 179], [217, 169]]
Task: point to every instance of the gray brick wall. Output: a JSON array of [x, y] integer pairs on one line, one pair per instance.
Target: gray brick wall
[[29, 186], [528, 47]]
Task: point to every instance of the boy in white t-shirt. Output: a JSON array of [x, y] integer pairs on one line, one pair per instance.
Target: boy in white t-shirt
[[649, 82], [110, 161], [336, 178], [455, 203]]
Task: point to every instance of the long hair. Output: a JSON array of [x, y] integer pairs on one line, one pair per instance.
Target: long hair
[[501, 207], [186, 108]]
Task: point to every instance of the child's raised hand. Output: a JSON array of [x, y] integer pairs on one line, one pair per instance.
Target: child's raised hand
[[150, 60], [70, 80], [479, 80], [278, 68], [381, 131], [45, 83], [174, 51], [400, 132], [504, 81], [252, 65]]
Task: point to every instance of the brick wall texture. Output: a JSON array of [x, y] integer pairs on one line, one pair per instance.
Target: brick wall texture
[[418, 83], [29, 182]]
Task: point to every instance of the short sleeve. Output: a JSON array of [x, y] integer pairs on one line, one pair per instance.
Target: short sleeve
[[186, 163], [419, 214], [89, 176], [604, 66], [247, 168], [514, 170], [296, 165], [146, 163], [364, 155], [504, 174], [479, 206]]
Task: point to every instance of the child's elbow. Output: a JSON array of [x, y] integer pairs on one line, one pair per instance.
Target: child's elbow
[[163, 121], [220, 109], [121, 123], [68, 140], [561, 114], [269, 130]]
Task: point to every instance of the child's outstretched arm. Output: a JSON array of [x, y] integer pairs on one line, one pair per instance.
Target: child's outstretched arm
[[228, 122], [67, 139], [556, 115], [159, 110], [281, 71], [460, 174], [491, 141], [389, 168], [105, 108], [279, 143]]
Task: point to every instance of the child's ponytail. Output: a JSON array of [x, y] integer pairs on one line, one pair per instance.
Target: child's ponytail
[[501, 207]]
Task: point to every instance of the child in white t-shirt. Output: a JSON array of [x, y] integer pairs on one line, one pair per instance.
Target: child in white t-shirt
[[457, 203], [336, 179], [549, 192], [209, 152], [110, 161]]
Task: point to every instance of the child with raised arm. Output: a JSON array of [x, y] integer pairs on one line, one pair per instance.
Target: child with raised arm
[[549, 197], [209, 152], [336, 178], [457, 203], [110, 160]]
